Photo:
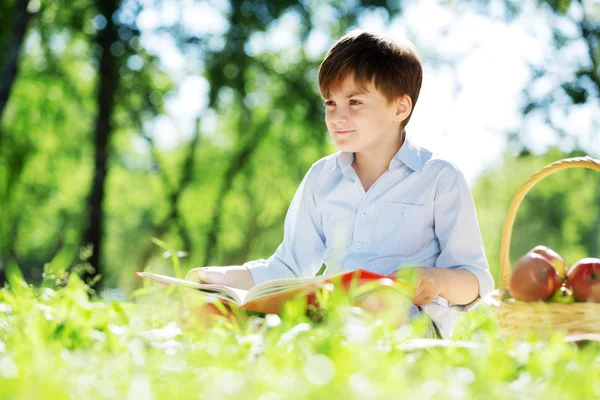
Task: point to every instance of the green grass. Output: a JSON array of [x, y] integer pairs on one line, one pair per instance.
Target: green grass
[[57, 344]]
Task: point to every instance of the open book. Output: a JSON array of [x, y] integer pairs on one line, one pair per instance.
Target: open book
[[269, 297]]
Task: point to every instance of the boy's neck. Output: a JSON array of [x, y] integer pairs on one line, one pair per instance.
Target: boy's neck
[[372, 164]]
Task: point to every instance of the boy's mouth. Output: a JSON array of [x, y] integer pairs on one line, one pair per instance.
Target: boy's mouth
[[344, 132]]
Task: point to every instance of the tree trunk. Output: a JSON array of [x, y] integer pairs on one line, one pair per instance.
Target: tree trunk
[[10, 57], [107, 85]]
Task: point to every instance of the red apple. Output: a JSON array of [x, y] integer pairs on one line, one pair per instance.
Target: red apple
[[584, 279], [533, 278], [555, 259]]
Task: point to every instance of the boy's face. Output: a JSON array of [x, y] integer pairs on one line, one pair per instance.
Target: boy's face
[[361, 120]]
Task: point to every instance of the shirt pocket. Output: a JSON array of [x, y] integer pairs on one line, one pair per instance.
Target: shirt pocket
[[399, 228], [338, 226]]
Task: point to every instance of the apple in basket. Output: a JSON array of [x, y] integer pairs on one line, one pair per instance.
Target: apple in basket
[[555, 259], [562, 295], [533, 278], [584, 279]]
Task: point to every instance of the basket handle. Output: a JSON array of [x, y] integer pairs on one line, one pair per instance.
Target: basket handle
[[577, 162]]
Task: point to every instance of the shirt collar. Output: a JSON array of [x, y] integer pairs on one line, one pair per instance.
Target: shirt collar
[[409, 154]]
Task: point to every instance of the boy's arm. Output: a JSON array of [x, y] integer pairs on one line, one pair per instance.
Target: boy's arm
[[459, 286], [462, 254]]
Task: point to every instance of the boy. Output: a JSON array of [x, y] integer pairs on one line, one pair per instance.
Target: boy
[[382, 203]]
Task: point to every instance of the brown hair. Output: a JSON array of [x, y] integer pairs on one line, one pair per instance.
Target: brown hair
[[394, 68]]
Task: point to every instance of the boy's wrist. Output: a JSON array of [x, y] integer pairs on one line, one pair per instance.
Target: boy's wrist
[[441, 278], [437, 278], [458, 285]]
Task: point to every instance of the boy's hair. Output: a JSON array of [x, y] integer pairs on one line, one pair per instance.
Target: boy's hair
[[395, 69]]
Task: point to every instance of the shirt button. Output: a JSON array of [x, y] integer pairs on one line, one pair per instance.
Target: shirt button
[[356, 184], [358, 245], [363, 216]]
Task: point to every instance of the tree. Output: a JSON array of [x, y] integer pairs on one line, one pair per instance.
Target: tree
[[11, 49], [11, 41], [108, 74], [565, 85], [54, 105]]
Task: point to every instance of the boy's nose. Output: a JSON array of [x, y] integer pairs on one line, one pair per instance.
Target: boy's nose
[[340, 118]]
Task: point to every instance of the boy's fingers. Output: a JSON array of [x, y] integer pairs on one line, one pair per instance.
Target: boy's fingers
[[192, 275], [198, 275], [419, 297], [417, 301], [423, 298]]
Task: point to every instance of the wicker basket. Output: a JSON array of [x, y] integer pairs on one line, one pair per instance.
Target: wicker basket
[[515, 318]]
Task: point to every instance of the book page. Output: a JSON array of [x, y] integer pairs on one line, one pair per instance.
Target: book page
[[268, 288], [277, 286], [222, 292]]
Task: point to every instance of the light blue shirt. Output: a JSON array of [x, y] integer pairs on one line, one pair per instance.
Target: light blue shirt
[[420, 212]]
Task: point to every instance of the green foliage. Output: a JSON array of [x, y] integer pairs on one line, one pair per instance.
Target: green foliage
[[46, 156], [575, 29], [560, 6], [44, 146], [72, 347]]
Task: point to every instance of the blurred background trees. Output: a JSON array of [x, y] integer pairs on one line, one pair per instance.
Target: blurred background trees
[[94, 161]]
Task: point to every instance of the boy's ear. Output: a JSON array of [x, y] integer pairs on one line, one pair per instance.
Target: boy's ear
[[403, 108]]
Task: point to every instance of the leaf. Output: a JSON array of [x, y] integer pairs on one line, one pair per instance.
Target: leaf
[[160, 243]]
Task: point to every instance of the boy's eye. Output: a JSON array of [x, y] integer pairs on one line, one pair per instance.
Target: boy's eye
[[328, 103], [354, 102]]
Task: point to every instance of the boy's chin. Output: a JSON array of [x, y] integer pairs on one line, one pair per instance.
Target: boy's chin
[[345, 147]]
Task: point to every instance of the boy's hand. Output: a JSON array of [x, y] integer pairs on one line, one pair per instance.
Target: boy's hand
[[426, 281], [234, 276]]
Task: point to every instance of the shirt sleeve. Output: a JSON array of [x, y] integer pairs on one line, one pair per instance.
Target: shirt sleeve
[[301, 252], [457, 230]]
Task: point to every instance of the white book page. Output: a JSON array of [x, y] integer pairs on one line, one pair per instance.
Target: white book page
[[227, 293], [280, 285]]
